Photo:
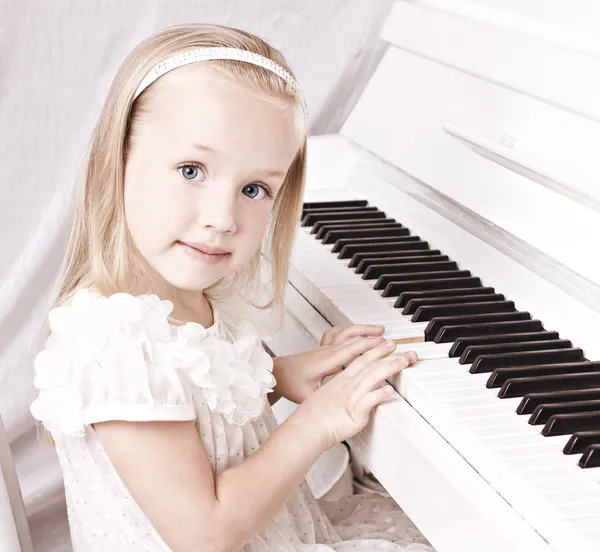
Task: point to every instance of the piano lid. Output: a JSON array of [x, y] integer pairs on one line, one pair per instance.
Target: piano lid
[[498, 115]]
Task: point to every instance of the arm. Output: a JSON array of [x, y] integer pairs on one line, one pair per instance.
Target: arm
[[167, 472], [165, 468]]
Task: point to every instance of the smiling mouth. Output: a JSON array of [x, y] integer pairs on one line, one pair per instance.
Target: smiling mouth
[[204, 253]]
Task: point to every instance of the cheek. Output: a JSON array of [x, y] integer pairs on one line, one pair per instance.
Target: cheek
[[255, 225], [149, 208]]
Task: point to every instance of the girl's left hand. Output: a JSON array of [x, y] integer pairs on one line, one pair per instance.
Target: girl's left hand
[[299, 375]]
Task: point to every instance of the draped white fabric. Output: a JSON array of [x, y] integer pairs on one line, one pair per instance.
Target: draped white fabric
[[57, 60]]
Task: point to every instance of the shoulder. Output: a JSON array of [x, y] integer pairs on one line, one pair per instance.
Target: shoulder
[[88, 312], [105, 358], [119, 358]]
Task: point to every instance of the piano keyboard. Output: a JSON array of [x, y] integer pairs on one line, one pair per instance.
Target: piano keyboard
[[520, 402]]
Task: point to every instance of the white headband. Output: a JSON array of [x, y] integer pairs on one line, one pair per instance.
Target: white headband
[[206, 54]]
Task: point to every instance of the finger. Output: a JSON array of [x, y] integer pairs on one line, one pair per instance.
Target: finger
[[353, 330], [348, 352], [367, 402], [341, 345], [380, 371], [381, 350], [329, 336]]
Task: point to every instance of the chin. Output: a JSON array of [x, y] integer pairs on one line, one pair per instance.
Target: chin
[[190, 283]]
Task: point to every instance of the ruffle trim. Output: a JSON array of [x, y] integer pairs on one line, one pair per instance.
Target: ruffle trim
[[107, 353]]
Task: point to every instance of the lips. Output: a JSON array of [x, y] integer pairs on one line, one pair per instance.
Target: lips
[[206, 249], [206, 254]]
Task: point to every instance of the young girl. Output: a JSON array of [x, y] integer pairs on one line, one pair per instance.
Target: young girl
[[155, 391]]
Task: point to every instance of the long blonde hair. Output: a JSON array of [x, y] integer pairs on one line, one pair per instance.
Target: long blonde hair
[[100, 252]]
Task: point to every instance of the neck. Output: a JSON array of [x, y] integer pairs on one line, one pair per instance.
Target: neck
[[188, 305], [192, 306]]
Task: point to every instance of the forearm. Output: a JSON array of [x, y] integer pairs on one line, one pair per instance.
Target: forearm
[[252, 493]]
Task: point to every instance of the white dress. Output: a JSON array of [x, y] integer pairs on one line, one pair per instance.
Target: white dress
[[120, 358]]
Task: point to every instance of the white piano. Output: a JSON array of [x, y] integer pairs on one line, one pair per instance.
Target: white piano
[[479, 134]]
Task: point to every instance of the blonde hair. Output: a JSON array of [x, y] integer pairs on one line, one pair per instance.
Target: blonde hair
[[100, 252]]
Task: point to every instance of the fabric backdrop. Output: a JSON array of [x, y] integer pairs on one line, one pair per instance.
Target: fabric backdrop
[[57, 60]]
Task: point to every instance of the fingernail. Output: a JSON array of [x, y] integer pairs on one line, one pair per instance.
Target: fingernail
[[390, 344], [411, 356]]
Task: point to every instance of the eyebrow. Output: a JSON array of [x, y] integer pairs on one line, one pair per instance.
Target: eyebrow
[[208, 149], [202, 147]]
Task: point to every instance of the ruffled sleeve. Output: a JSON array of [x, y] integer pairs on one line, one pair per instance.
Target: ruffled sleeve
[[109, 358], [119, 358]]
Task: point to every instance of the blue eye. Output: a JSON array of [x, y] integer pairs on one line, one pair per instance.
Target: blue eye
[[190, 172], [253, 190]]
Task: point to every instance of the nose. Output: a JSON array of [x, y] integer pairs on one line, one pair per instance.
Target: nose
[[219, 208]]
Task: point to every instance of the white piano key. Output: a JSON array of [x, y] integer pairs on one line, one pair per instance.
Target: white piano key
[[533, 451], [376, 315], [425, 350], [363, 308], [351, 301], [407, 334], [474, 404], [345, 291]]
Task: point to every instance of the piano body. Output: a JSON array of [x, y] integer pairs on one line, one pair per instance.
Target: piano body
[[474, 151]]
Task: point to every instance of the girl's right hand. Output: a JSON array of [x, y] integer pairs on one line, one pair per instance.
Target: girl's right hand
[[342, 406]]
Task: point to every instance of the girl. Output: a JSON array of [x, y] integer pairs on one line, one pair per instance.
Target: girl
[[152, 384]]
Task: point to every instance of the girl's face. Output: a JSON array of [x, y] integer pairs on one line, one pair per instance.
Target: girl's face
[[203, 172]]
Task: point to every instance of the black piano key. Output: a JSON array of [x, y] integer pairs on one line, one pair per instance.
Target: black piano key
[[460, 345], [384, 281], [320, 228], [426, 313], [391, 269], [580, 440], [531, 400], [334, 204], [315, 216], [488, 363], [563, 424], [436, 325], [591, 457], [393, 230], [451, 333], [473, 351], [373, 256], [398, 260], [396, 288], [348, 247], [404, 298], [364, 209], [519, 387], [500, 375], [412, 306], [542, 412]]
